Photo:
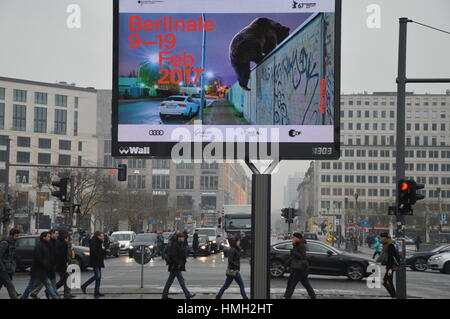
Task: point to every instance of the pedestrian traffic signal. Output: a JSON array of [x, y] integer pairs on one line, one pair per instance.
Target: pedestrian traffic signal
[[285, 213], [122, 172], [62, 192]]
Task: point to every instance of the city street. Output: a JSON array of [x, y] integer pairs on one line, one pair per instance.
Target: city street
[[205, 275], [145, 112]]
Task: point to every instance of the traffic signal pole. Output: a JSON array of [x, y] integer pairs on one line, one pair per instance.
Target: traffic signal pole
[[402, 80]]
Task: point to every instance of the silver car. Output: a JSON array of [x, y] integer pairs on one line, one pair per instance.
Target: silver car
[[440, 262]]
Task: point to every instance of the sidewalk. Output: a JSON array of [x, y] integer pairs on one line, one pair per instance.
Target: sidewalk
[[221, 113], [231, 293]]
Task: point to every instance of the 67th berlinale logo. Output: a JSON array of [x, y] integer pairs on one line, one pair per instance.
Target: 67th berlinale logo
[[301, 5]]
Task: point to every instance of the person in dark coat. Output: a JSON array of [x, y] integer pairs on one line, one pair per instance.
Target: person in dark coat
[[7, 262], [41, 267], [233, 269], [389, 258], [298, 266], [96, 261], [195, 243], [54, 234], [176, 260], [62, 261], [186, 236]]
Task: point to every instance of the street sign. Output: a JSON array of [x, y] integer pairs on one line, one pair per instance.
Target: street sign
[[138, 255], [443, 218]]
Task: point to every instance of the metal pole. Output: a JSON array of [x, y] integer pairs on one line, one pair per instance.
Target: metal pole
[[142, 266], [6, 197], [202, 79], [71, 200], [400, 151], [260, 262]]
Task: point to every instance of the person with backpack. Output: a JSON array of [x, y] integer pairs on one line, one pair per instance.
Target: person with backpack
[[298, 266], [390, 258], [7, 262], [233, 269], [376, 246], [176, 260]]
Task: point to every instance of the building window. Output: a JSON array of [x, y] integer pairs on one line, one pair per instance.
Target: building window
[[40, 98], [160, 164], [64, 160], [137, 163], [160, 181], [75, 123], [213, 165], [19, 117], [23, 141], [23, 157], [65, 145], [19, 95], [75, 101], [44, 158], [184, 202], [60, 121], [80, 146], [43, 177], [45, 143], [185, 182], [2, 93], [40, 120], [136, 181], [22, 177], [61, 100], [209, 182], [2, 116]]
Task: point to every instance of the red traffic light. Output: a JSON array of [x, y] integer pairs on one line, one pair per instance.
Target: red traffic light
[[405, 186]]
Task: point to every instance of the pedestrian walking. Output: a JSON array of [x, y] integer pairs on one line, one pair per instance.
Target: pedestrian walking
[[41, 267], [176, 260], [417, 242], [299, 267], [186, 236], [96, 261], [376, 246], [7, 262], [195, 243], [62, 261], [233, 269], [389, 258], [160, 244], [54, 234]]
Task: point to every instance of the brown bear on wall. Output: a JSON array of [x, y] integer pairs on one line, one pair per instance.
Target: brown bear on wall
[[252, 43]]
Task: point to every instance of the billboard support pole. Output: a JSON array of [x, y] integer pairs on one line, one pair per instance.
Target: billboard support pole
[[261, 207], [202, 79], [6, 188]]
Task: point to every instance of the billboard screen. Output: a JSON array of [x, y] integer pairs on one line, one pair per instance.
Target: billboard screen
[[232, 74]]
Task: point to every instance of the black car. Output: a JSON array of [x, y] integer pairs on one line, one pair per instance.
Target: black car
[[144, 239], [25, 247], [204, 248], [114, 248], [323, 260], [418, 260]]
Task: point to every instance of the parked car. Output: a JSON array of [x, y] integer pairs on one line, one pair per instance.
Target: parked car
[[25, 247], [323, 260], [310, 236], [124, 238], [144, 239], [204, 248], [207, 102], [114, 248], [440, 262], [418, 261], [178, 105]]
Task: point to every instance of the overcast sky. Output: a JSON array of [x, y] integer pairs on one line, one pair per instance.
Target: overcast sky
[[37, 45]]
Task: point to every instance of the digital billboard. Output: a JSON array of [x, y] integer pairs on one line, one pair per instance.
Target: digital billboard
[[234, 74]]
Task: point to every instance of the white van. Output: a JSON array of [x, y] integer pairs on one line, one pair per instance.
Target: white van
[[124, 238]]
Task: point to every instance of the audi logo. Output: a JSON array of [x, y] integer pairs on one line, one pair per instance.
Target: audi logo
[[156, 132]]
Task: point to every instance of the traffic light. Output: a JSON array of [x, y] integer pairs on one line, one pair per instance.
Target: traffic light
[[285, 213], [62, 192], [414, 197], [408, 196], [122, 172], [6, 214]]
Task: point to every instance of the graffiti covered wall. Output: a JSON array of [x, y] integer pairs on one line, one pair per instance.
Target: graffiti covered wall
[[286, 87]]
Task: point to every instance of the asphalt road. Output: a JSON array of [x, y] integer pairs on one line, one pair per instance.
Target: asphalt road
[[145, 112], [206, 274]]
